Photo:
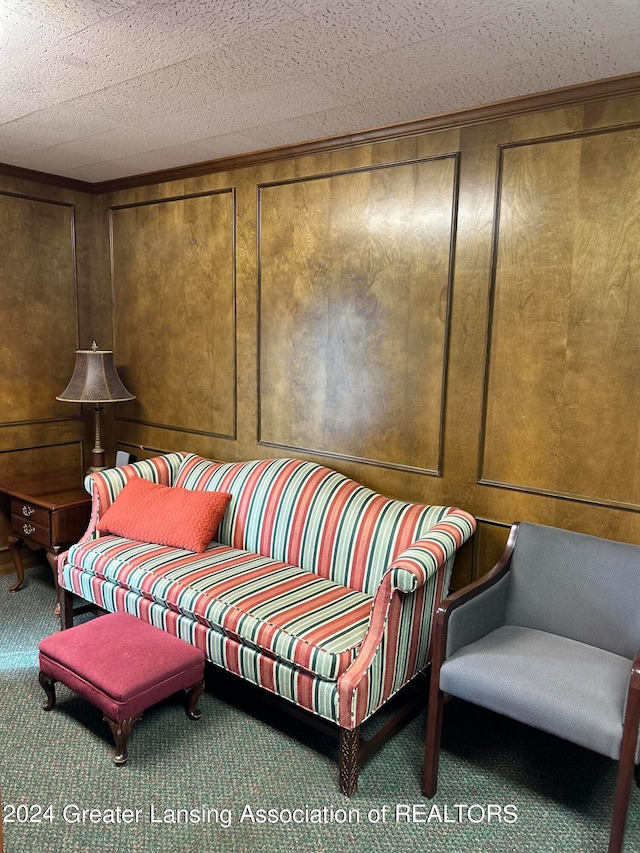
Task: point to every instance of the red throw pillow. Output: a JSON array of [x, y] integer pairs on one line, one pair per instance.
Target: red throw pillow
[[165, 515]]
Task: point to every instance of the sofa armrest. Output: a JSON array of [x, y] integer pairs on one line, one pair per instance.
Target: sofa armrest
[[413, 567], [105, 486], [396, 645]]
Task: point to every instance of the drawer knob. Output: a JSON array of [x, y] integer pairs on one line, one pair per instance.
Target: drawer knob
[[28, 529], [27, 510]]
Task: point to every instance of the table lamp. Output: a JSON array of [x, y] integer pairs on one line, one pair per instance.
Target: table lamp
[[95, 380]]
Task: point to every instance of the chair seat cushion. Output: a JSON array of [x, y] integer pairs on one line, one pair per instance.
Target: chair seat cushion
[[120, 663], [284, 611], [555, 684]]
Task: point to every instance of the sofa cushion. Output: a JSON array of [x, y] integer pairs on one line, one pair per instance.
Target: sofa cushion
[[151, 512], [286, 612]]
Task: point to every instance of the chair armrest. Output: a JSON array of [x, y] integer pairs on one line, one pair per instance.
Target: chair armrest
[[475, 610], [633, 690], [634, 679]]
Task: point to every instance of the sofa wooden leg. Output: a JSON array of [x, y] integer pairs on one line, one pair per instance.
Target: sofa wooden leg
[[120, 732], [66, 609], [349, 760]]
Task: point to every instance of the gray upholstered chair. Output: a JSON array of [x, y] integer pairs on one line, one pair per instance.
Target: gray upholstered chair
[[550, 637]]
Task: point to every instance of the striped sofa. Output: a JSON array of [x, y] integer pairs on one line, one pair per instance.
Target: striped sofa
[[317, 589]]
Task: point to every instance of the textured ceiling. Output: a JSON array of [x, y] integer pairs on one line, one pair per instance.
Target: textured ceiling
[[102, 89]]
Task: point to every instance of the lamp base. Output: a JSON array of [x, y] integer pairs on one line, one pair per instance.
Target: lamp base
[[98, 452], [97, 460]]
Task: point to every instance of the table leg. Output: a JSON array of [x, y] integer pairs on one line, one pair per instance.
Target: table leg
[[52, 559], [15, 544]]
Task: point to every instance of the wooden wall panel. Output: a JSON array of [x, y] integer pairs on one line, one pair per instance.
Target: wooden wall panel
[[564, 345], [28, 461], [354, 295], [43, 269], [173, 277], [39, 307], [488, 545]]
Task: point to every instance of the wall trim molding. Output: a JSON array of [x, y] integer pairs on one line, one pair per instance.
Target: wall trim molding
[[21, 174], [399, 466], [482, 477], [230, 191], [71, 207], [360, 460], [581, 93], [602, 503]]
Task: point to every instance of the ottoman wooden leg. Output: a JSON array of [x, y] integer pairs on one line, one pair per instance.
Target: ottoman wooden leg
[[193, 694], [49, 687], [120, 732]]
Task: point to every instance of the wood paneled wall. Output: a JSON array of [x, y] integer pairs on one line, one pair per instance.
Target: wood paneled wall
[[449, 317], [46, 249]]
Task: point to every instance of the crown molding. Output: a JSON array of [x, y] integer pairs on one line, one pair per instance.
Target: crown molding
[[6, 170], [583, 93], [566, 96]]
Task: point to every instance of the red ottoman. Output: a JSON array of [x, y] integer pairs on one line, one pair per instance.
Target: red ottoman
[[123, 666]]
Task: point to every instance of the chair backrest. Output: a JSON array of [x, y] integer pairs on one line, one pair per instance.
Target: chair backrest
[[576, 586]]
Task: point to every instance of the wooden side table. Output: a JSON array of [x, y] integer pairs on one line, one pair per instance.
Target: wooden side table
[[49, 511]]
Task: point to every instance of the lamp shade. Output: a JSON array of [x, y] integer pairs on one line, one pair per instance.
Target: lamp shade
[[95, 379]]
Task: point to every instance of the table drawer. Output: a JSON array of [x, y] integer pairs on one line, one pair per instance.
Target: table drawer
[[30, 530], [30, 512]]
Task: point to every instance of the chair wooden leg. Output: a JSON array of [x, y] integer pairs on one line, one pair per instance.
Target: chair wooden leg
[[432, 745], [349, 760], [620, 807], [627, 764]]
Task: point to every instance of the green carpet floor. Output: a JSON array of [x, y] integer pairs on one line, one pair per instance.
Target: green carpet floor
[[241, 758]]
